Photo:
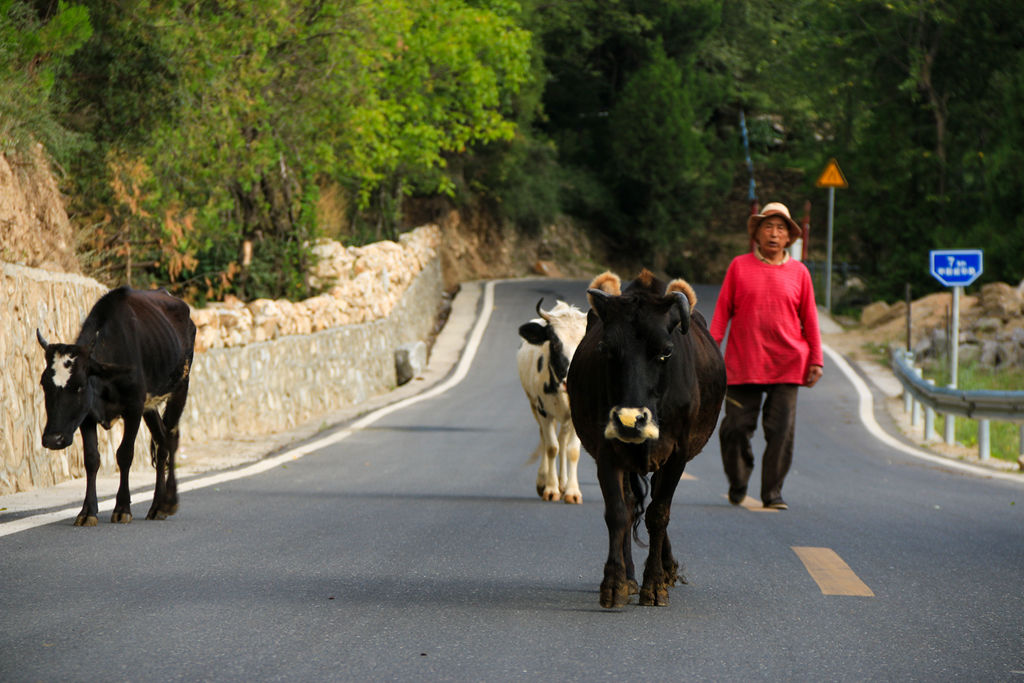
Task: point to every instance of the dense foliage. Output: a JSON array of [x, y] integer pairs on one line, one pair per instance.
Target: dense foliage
[[200, 138]]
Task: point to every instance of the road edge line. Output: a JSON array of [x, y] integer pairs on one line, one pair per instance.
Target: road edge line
[[867, 417]]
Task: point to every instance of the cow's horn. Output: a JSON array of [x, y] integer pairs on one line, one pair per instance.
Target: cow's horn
[[542, 314], [597, 298], [42, 341], [682, 303]]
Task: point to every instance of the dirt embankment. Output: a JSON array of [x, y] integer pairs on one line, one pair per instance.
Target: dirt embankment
[[34, 227]]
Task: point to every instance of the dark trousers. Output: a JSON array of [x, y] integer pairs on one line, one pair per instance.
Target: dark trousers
[[742, 405]]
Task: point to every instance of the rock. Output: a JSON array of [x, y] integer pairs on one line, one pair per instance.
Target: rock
[[993, 354], [874, 313], [547, 269], [924, 348], [896, 310], [410, 360], [987, 325], [1000, 300]]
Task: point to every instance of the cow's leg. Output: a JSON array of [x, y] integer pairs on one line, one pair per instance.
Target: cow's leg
[[166, 503], [547, 471], [633, 495], [89, 516], [660, 570], [614, 586], [158, 452], [569, 447], [125, 454]]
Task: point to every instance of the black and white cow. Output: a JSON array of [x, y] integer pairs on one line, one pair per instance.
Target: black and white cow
[[134, 353], [645, 386], [543, 359]]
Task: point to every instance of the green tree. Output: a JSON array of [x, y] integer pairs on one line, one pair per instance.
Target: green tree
[[261, 102], [33, 53], [604, 61], [658, 159]]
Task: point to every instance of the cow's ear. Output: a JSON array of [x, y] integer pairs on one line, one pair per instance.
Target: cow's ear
[[41, 339], [598, 301], [534, 333], [679, 313]]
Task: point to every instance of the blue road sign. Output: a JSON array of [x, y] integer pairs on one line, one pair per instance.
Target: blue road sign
[[955, 267]]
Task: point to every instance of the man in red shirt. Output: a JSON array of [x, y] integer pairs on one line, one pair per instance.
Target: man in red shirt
[[774, 347]]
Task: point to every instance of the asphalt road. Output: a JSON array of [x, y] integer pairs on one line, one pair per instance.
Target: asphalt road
[[416, 549]]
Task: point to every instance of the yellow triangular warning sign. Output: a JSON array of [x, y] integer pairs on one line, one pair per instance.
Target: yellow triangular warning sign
[[832, 176]]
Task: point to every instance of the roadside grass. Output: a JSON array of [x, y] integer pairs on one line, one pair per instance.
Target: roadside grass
[[877, 352], [1004, 437]]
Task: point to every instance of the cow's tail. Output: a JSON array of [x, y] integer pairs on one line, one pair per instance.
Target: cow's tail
[[638, 487]]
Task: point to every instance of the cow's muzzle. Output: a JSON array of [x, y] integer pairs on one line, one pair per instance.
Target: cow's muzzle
[[55, 441], [632, 425]]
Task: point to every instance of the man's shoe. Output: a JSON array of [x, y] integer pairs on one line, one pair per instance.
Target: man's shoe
[[777, 504], [737, 494]]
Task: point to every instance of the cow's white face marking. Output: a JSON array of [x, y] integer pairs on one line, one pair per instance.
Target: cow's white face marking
[[638, 424], [62, 364]]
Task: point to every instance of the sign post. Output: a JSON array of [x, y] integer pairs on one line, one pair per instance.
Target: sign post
[[832, 177], [955, 268]]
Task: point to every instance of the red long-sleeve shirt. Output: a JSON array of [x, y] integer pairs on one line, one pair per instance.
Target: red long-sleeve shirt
[[774, 337]]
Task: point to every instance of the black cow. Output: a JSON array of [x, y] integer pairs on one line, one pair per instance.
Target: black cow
[[645, 386], [134, 352]]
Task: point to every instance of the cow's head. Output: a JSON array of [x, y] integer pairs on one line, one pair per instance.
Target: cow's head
[[67, 390], [562, 329], [640, 331]]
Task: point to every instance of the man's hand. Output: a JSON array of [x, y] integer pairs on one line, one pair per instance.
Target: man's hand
[[814, 373]]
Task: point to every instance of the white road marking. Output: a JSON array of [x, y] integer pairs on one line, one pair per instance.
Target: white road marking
[[867, 417]]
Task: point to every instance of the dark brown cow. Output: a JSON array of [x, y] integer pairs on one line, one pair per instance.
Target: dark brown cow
[[645, 386], [134, 352]]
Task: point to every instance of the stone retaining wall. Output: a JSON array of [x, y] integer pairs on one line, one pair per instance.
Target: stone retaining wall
[[300, 368]]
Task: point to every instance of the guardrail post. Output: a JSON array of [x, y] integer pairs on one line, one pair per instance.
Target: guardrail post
[[949, 431], [929, 420], [915, 416], [1020, 441], [908, 398], [984, 442]]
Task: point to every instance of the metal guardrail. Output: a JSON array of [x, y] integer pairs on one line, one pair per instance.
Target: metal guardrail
[[982, 406], [1007, 406]]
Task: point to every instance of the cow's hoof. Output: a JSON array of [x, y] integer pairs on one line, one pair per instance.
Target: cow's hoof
[[575, 498], [633, 586], [162, 512], [86, 520], [654, 597], [120, 517], [614, 596], [551, 495]]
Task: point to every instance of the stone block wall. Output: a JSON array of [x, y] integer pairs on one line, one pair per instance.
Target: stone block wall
[[259, 368], [56, 304]]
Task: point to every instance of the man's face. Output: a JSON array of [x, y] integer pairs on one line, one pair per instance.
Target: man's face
[[772, 235]]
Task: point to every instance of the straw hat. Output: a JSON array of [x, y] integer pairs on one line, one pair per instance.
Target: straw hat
[[775, 209]]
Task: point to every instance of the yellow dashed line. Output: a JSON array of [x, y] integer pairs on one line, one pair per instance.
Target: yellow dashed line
[[833, 576]]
